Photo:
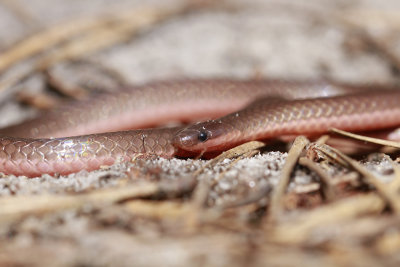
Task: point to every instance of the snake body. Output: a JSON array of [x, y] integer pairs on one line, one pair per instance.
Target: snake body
[[267, 109]]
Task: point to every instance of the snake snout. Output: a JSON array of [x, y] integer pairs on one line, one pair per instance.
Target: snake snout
[[186, 139]]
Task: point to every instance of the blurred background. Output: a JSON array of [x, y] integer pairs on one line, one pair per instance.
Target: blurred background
[[103, 45], [341, 39], [53, 51]]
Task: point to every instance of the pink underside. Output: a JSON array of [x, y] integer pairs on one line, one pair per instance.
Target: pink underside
[[181, 111], [37, 168]]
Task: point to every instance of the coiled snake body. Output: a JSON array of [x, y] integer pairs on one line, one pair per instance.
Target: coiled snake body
[[261, 110]]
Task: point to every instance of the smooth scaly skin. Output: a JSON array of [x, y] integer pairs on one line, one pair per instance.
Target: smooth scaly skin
[[160, 102], [150, 104], [33, 157], [266, 119]]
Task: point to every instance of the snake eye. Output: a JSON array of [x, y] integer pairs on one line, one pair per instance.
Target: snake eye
[[203, 136]]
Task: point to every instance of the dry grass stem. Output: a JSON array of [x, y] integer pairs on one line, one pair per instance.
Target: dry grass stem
[[57, 34], [75, 92], [299, 229], [232, 153], [369, 178], [366, 18], [37, 100], [327, 190], [367, 139], [294, 153], [95, 34], [17, 207]]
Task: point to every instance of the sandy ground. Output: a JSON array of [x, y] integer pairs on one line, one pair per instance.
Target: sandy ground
[[270, 39]]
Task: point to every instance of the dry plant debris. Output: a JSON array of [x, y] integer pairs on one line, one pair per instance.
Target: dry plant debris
[[319, 206], [78, 38]]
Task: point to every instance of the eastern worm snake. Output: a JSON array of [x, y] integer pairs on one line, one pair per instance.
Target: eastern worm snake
[[278, 108]]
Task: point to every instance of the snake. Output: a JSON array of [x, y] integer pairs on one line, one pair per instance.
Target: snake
[[114, 127]]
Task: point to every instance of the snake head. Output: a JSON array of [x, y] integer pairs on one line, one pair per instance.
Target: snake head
[[206, 137]]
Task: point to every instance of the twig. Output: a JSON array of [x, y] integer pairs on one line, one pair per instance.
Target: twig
[[41, 41], [96, 40], [314, 150], [74, 92], [17, 207], [298, 229], [257, 196], [101, 33], [387, 195], [232, 153], [37, 100], [278, 192], [367, 139], [327, 190]]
